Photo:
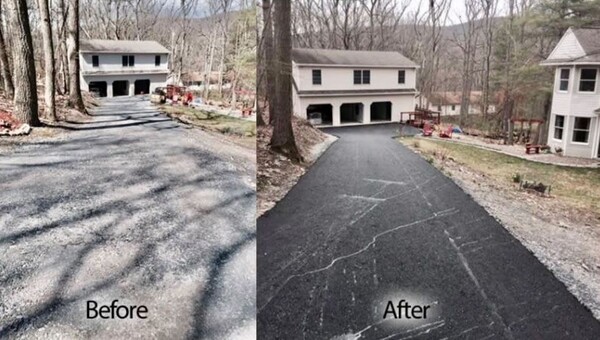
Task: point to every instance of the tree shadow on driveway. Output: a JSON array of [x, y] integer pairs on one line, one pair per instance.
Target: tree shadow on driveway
[[141, 214]]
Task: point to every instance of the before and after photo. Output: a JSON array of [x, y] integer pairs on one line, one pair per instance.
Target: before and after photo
[[307, 169]]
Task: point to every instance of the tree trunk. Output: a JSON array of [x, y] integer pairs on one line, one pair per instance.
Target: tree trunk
[[75, 98], [48, 60], [269, 58], [543, 128], [62, 51], [222, 63], [508, 96], [9, 87], [261, 89], [282, 140], [209, 65], [233, 93], [25, 99]]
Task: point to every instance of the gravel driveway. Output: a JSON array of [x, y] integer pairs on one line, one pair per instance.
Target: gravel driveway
[[135, 207]]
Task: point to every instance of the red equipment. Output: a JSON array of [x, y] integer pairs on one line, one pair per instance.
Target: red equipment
[[427, 130], [447, 133], [529, 148]]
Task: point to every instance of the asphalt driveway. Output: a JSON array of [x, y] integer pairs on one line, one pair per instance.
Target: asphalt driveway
[[372, 222], [135, 207]]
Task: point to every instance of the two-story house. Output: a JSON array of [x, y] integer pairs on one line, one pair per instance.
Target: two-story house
[[574, 122], [114, 68], [353, 87]]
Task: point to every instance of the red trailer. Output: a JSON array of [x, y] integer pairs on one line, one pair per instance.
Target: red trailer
[[420, 117]]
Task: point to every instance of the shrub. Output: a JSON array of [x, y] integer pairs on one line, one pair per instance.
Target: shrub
[[517, 178], [558, 151]]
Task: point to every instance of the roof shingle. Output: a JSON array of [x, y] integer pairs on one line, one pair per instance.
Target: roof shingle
[[350, 58], [121, 46], [589, 38]]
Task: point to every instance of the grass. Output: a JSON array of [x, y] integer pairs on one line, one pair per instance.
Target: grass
[[215, 122], [577, 187]]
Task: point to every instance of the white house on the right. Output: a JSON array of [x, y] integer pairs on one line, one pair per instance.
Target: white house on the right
[[575, 113]]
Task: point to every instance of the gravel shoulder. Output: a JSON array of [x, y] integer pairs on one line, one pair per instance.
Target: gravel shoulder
[[276, 173], [564, 239]]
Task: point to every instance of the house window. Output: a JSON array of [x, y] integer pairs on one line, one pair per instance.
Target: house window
[[366, 76], [559, 124], [316, 77], [564, 79], [581, 129], [128, 60], [587, 81], [157, 60], [453, 107], [439, 108], [362, 77], [401, 77], [357, 77], [95, 61]]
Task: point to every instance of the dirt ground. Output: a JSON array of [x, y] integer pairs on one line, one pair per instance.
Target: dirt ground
[[276, 174], [564, 239], [237, 130], [519, 151], [49, 130]]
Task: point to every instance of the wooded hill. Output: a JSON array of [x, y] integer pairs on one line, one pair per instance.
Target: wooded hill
[[487, 50], [214, 36]]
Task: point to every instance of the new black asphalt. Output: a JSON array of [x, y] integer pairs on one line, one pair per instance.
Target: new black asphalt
[[372, 222]]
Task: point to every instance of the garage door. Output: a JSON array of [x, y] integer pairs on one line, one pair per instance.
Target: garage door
[[381, 112], [120, 88], [142, 86], [98, 88]]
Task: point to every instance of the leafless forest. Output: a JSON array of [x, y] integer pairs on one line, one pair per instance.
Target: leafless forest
[[492, 46], [215, 39]]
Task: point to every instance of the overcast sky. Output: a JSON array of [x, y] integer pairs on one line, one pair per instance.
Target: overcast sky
[[457, 9]]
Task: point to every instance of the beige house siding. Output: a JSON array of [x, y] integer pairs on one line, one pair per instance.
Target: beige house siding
[[342, 78], [156, 80], [568, 47], [573, 103], [400, 103], [383, 88]]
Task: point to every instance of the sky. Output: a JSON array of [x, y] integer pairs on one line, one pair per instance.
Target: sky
[[457, 8]]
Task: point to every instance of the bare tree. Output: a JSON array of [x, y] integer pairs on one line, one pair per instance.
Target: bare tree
[[467, 42], [489, 12], [224, 7], [269, 55], [261, 88], [428, 32], [509, 101], [75, 98], [25, 98], [49, 92], [63, 55], [283, 140], [9, 88]]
